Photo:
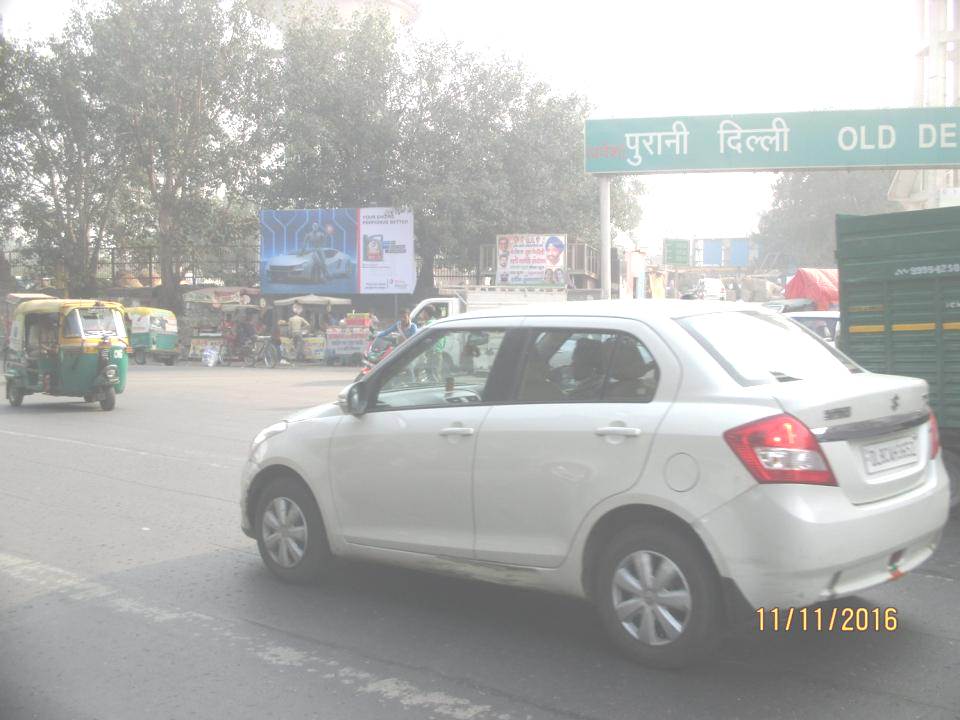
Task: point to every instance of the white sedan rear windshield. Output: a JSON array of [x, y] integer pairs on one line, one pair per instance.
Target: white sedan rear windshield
[[758, 348]]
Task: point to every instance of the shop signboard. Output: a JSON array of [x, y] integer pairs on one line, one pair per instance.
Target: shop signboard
[[337, 251], [532, 260], [313, 347], [221, 295], [199, 344], [346, 340]]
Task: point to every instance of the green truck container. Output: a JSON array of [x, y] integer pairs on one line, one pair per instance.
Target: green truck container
[[900, 305]]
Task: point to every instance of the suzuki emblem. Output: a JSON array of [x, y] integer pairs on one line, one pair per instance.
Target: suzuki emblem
[[895, 403]]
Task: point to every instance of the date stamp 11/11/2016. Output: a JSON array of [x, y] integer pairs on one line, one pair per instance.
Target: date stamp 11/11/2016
[[819, 619]]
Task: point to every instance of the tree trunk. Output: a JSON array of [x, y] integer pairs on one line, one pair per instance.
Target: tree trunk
[[6, 274], [169, 272], [425, 281]]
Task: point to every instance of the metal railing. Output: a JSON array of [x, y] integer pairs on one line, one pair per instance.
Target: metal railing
[[129, 267]]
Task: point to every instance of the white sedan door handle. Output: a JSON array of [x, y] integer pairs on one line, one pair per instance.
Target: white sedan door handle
[[619, 430], [457, 431]]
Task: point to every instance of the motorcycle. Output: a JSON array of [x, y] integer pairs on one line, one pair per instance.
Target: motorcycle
[[379, 347]]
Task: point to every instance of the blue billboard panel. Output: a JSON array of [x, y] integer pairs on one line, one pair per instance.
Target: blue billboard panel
[[739, 253], [318, 251], [713, 252]]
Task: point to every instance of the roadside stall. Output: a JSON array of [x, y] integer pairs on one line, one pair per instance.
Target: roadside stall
[[346, 344], [235, 317], [316, 345], [349, 342], [153, 334], [203, 321]]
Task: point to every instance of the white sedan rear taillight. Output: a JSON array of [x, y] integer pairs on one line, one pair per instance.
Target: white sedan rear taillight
[[780, 449]]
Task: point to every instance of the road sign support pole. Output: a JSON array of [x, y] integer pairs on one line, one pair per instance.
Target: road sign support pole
[[605, 237]]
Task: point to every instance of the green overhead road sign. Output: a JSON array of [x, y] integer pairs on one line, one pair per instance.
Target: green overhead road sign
[[676, 252], [908, 137]]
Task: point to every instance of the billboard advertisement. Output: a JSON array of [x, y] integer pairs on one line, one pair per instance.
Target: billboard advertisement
[[713, 252], [532, 260], [739, 253], [337, 251]]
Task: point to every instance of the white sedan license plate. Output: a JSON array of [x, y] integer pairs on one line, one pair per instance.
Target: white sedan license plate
[[890, 454]]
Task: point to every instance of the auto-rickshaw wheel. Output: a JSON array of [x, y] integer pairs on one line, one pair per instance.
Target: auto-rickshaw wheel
[[108, 399], [89, 397], [140, 356], [169, 360], [15, 395]]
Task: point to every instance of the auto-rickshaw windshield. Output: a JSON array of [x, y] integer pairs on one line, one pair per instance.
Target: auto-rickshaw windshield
[[94, 322]]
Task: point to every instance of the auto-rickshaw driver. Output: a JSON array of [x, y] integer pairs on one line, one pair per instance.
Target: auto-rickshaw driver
[[42, 333]]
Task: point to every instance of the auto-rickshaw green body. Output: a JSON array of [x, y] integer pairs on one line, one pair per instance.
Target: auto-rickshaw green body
[[72, 348], [153, 333]]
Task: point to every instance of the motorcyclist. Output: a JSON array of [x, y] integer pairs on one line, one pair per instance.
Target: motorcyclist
[[406, 327]]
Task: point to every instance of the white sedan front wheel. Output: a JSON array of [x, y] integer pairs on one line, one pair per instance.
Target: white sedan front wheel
[[290, 532]]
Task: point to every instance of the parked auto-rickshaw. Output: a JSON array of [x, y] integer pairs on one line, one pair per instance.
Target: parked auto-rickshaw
[[72, 348], [153, 333]]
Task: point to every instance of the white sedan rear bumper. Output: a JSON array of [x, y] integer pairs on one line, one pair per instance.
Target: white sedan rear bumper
[[795, 545]]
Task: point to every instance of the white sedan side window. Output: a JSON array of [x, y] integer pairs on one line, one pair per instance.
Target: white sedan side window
[[453, 368]]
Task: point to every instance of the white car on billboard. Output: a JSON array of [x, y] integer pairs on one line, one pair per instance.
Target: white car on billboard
[[310, 265], [339, 264]]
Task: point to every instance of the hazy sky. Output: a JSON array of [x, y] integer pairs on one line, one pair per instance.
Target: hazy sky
[[644, 58]]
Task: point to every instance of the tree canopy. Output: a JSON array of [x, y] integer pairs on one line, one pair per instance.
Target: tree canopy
[[800, 231], [166, 124]]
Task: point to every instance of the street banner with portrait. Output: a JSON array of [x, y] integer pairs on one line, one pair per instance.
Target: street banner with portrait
[[532, 260], [342, 251]]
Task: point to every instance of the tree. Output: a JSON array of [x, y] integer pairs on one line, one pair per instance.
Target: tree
[[486, 151], [799, 230], [183, 81], [338, 133], [60, 169]]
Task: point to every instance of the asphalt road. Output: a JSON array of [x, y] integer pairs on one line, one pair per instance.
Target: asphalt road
[[128, 591]]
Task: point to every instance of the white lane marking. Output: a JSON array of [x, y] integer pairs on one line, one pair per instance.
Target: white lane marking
[[114, 448], [386, 689]]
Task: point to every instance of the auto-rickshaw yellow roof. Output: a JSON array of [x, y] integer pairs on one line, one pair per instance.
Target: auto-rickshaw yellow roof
[[57, 305], [141, 310]]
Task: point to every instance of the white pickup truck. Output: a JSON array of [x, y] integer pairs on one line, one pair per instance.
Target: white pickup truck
[[485, 297]]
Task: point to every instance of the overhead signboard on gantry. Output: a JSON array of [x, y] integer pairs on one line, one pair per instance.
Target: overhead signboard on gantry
[[907, 137]]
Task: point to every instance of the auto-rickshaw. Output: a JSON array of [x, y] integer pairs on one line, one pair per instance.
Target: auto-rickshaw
[[72, 348], [153, 333]]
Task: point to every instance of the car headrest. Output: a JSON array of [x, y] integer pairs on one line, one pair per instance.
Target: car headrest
[[587, 358], [628, 363]]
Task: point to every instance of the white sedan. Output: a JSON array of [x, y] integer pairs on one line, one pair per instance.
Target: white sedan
[[676, 463]]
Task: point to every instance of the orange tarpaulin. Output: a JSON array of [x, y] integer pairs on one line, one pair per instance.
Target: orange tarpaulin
[[822, 285]]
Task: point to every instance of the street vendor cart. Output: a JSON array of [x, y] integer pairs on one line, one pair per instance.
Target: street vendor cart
[[315, 346]]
